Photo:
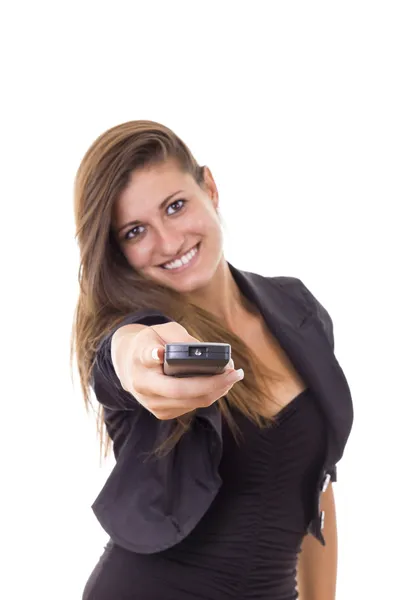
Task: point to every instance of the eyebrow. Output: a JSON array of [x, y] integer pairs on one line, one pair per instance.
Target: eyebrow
[[134, 223]]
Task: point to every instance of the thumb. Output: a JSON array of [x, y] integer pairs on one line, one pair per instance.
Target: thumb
[[152, 355], [157, 354]]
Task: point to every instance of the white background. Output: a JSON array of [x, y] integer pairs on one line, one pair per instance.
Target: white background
[[295, 108]]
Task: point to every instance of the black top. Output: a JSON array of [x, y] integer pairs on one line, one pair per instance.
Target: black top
[[148, 505], [246, 545]]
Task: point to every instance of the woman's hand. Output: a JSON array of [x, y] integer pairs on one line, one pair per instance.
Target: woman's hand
[[138, 355]]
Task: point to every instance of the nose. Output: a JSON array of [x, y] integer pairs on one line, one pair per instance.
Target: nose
[[169, 242]]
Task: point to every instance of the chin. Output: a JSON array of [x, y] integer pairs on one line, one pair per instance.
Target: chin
[[184, 283]]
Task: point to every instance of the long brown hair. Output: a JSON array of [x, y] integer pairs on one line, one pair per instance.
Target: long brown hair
[[110, 288]]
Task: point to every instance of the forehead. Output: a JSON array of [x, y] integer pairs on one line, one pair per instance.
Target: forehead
[[149, 186]]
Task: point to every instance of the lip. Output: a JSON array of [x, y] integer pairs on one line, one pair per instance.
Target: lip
[[184, 267]]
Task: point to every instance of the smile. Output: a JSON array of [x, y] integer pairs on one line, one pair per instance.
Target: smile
[[183, 261]]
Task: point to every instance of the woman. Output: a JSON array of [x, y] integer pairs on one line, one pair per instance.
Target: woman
[[221, 487]]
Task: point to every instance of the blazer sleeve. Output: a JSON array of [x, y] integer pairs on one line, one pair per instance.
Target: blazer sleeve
[[333, 473], [149, 503], [320, 311], [104, 381], [324, 317]]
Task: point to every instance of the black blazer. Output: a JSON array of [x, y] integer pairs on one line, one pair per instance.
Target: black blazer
[[149, 504]]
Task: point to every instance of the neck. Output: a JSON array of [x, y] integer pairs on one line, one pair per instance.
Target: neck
[[222, 297]]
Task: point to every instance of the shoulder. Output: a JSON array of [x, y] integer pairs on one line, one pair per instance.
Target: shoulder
[[279, 288], [297, 288], [289, 283]]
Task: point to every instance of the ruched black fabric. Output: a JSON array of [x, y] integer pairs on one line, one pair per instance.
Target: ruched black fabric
[[246, 546]]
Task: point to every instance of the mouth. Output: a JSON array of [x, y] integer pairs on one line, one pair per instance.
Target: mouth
[[183, 262]]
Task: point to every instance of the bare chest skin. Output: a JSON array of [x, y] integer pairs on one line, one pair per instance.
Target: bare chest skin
[[254, 332]]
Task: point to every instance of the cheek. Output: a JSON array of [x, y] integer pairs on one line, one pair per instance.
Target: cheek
[[206, 222], [212, 226], [139, 255]]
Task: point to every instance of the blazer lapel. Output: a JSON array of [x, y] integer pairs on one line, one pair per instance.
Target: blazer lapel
[[302, 337]]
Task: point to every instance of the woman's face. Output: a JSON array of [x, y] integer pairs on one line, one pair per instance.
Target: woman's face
[[168, 227]]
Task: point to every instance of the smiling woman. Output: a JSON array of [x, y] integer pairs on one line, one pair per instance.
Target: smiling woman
[[218, 479], [169, 233], [150, 237]]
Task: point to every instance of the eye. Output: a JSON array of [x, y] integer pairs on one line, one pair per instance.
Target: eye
[[134, 231], [178, 204]]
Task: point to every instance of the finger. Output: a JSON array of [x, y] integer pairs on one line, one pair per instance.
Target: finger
[[170, 408], [165, 409], [152, 355], [156, 337], [230, 366], [181, 388]]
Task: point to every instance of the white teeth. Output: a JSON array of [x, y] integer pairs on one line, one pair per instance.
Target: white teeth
[[184, 260]]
